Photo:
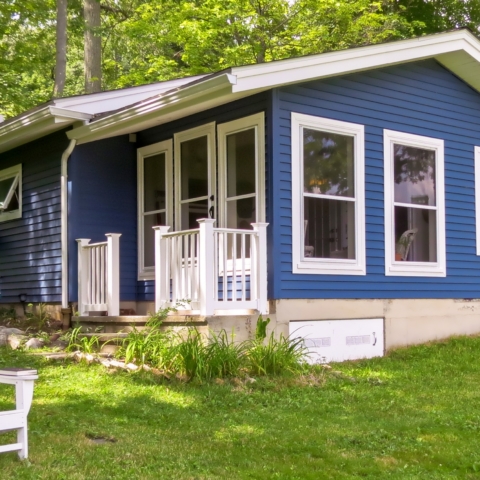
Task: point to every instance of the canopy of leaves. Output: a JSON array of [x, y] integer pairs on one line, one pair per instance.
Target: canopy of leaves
[[154, 40]]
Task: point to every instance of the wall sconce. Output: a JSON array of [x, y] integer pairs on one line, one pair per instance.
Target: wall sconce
[[23, 300]]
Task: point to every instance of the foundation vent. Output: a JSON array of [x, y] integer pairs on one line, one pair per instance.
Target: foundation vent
[[339, 340]]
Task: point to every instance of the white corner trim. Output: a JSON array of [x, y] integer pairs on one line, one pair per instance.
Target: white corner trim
[[413, 269], [257, 122], [327, 266], [148, 273], [477, 197]]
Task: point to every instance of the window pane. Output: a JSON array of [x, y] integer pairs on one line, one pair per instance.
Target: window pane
[[5, 186], [194, 168], [415, 234], [328, 163], [191, 212], [329, 228], [154, 182], [241, 163], [241, 213], [414, 171], [150, 221]]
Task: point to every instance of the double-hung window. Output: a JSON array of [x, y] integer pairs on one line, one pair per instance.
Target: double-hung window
[[154, 172], [328, 200], [11, 193], [414, 205]]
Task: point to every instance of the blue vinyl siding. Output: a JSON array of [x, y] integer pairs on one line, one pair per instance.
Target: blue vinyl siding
[[30, 251], [225, 113], [102, 183], [421, 98]]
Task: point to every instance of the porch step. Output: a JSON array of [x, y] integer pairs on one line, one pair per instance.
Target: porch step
[[125, 323]]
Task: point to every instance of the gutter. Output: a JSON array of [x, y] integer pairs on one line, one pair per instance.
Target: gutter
[[64, 220], [188, 94]]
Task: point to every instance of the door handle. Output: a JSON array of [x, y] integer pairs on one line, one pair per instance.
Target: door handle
[[211, 211]]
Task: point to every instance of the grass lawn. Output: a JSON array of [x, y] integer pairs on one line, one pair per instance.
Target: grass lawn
[[413, 414]]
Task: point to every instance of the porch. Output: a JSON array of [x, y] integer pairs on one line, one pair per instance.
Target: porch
[[205, 271]]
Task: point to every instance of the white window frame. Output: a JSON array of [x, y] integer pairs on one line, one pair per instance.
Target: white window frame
[[327, 266], [148, 273], [207, 130], [257, 122], [15, 171], [414, 269], [477, 197]]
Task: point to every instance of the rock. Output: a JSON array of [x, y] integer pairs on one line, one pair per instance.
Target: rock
[[35, 343], [105, 363], [117, 364], [78, 356], [3, 339], [146, 368], [61, 344], [131, 366], [89, 358], [11, 331], [15, 340]]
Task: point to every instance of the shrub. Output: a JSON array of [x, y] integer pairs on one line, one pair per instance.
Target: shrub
[[81, 343], [276, 356]]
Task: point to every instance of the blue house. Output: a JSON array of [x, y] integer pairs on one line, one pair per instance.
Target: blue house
[[339, 186]]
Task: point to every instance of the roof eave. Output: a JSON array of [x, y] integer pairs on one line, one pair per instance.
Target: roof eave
[[36, 124], [212, 90]]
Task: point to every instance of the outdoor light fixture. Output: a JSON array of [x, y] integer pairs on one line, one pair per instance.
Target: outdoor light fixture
[[23, 299]]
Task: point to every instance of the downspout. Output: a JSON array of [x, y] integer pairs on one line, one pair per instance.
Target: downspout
[[64, 221]]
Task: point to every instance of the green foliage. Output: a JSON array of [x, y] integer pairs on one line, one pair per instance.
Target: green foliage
[[77, 341], [412, 415], [276, 356], [38, 316], [7, 315], [261, 329]]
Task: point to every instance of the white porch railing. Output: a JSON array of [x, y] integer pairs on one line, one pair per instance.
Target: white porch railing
[[99, 275], [214, 268]]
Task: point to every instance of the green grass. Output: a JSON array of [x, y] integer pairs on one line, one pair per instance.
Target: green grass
[[412, 415]]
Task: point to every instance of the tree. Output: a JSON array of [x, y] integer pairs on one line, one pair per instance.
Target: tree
[[61, 49], [93, 46]]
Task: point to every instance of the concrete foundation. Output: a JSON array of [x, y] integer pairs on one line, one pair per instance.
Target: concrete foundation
[[407, 322]]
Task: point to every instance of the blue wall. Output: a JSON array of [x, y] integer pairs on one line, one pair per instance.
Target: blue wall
[[102, 182], [103, 191], [420, 98], [30, 251], [225, 113]]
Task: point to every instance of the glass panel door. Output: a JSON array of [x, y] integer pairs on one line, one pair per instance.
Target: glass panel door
[[195, 176]]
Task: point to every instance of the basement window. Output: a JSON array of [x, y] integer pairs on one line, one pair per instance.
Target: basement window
[[11, 193]]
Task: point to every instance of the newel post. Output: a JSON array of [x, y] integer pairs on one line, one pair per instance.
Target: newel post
[[83, 274], [162, 277], [113, 273], [206, 258], [261, 265]]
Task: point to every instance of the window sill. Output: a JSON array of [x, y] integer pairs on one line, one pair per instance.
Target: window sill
[[4, 217], [329, 268], [415, 269]]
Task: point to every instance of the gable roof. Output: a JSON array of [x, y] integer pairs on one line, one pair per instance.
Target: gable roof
[[458, 51], [62, 112], [133, 109]]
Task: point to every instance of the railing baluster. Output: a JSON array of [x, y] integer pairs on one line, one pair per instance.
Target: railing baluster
[[244, 277], [234, 267]]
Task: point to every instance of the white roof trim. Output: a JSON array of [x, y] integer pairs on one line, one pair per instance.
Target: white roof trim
[[215, 89], [36, 124], [295, 70]]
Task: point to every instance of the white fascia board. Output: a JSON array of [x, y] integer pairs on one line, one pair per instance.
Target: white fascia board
[[284, 72], [159, 109], [96, 103], [39, 123]]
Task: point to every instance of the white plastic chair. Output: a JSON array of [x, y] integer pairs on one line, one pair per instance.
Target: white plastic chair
[[17, 419]]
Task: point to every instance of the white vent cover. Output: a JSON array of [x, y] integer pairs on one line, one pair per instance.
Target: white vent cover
[[340, 340]]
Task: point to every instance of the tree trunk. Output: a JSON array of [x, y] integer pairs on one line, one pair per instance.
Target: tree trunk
[[93, 46], [61, 49]]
